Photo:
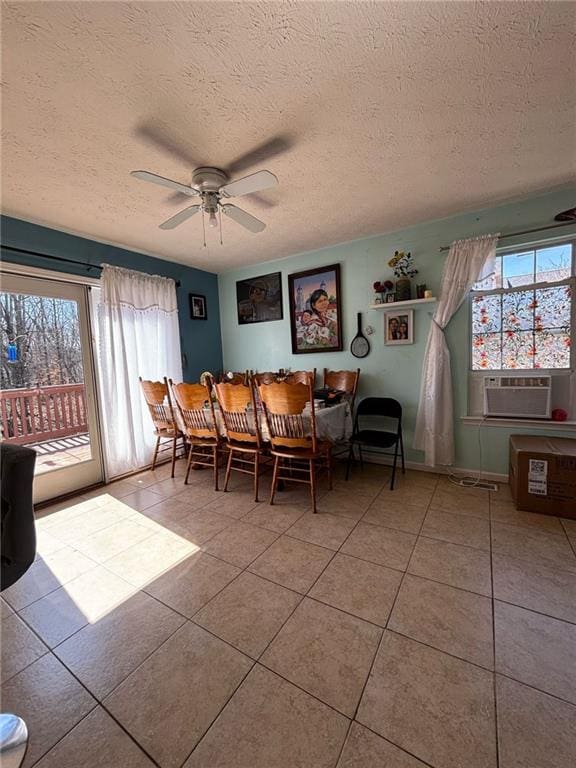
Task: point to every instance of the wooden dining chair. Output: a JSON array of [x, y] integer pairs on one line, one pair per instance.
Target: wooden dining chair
[[301, 377], [237, 404], [157, 397], [194, 402], [345, 381], [265, 377], [291, 422]]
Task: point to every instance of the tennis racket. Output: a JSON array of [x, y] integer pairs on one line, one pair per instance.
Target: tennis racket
[[360, 346]]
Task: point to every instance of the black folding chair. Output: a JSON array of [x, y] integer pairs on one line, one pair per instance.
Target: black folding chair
[[370, 432]]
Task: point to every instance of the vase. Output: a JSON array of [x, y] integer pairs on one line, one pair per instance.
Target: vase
[[403, 289]]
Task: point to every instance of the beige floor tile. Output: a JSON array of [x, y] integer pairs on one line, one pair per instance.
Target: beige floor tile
[[64, 511], [539, 547], [534, 730], [191, 677], [452, 564], [88, 522], [538, 587], [326, 652], [248, 613], [292, 563], [358, 587], [240, 543], [458, 529], [141, 499], [278, 517], [347, 504], [47, 574], [323, 529], [449, 619], [418, 478], [122, 488], [437, 707], [380, 545], [192, 583], [103, 654], [198, 494], [50, 701], [150, 558], [20, 647], [104, 544], [168, 510], [234, 504], [46, 544], [5, 610], [83, 600], [270, 723], [510, 516], [201, 526], [570, 528], [401, 517], [446, 485], [96, 742], [365, 749], [461, 503], [413, 495], [536, 650]]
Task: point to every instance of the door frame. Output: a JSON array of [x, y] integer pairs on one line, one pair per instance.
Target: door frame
[[68, 480]]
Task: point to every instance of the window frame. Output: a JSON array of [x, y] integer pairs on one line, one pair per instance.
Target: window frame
[[570, 281]]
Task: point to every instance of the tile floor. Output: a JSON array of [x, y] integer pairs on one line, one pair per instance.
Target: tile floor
[[165, 625]]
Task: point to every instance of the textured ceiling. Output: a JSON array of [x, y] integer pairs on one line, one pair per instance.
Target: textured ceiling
[[390, 114]]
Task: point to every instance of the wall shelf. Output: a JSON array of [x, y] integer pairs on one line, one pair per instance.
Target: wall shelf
[[410, 303]]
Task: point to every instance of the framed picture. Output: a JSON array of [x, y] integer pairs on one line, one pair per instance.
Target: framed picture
[[259, 299], [198, 307], [390, 298], [315, 311], [399, 327]]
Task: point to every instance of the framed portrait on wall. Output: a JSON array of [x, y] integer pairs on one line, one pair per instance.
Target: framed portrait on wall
[[399, 327], [315, 310], [259, 299], [198, 307]]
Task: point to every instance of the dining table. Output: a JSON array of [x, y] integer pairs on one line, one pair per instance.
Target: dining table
[[333, 423]]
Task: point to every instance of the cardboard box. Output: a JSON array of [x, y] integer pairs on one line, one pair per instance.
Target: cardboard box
[[543, 474]]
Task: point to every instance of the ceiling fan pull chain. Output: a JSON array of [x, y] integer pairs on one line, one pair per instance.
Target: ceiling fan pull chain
[[220, 217], [203, 227]]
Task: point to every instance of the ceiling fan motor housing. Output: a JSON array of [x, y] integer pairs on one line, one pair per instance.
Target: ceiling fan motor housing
[[208, 179]]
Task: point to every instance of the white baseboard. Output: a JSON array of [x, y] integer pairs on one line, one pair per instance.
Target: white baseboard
[[419, 467]]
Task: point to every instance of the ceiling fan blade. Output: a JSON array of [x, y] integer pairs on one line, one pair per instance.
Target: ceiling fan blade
[[256, 182], [260, 154], [155, 179], [180, 217], [245, 219]]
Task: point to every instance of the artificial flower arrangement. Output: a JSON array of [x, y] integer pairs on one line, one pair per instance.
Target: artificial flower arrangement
[[401, 263], [384, 287]]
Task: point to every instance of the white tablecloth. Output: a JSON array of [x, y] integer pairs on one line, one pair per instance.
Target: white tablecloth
[[333, 423]]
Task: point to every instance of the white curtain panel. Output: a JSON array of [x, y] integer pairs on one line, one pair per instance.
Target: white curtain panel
[[467, 262], [138, 335]]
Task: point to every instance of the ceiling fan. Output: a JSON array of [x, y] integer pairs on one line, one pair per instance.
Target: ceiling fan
[[212, 186]]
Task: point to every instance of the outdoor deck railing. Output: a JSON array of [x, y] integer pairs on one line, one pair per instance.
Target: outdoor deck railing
[[42, 413]]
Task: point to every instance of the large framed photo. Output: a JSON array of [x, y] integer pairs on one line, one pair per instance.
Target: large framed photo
[[315, 311], [198, 307], [259, 299], [399, 327]]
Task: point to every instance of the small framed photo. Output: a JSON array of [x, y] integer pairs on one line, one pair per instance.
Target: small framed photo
[[390, 298], [399, 327], [198, 307]]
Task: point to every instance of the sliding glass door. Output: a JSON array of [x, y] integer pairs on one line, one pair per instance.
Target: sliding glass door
[[47, 399]]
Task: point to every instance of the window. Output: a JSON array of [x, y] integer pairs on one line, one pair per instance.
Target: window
[[522, 315]]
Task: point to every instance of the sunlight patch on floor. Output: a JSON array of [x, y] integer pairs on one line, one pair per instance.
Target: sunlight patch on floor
[[129, 551]]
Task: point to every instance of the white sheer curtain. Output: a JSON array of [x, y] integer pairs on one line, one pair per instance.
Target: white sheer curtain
[[468, 261], [138, 335]]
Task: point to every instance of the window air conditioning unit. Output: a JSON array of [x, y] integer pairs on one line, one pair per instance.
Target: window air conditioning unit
[[522, 397]]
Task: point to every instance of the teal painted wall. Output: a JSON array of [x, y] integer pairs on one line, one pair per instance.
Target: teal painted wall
[[201, 345], [391, 371]]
